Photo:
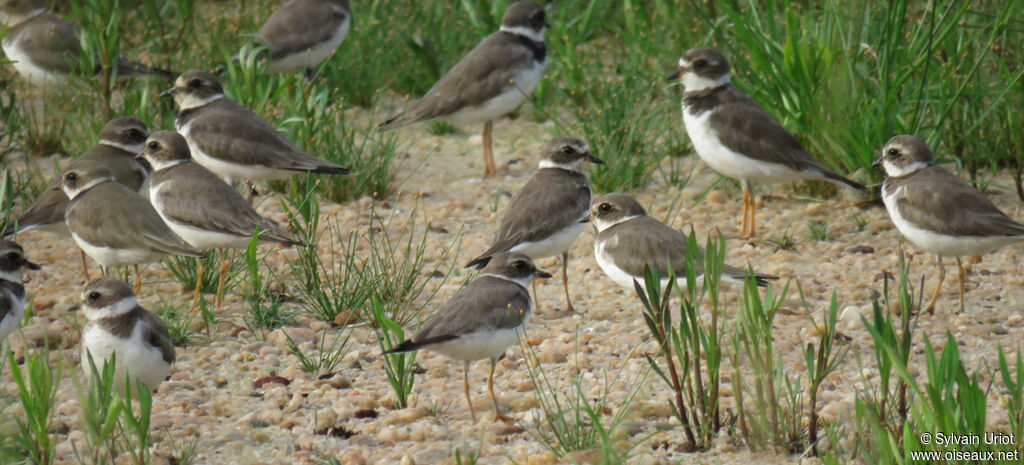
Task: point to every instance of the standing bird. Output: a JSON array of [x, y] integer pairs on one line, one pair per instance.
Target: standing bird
[[736, 137], [546, 216], [303, 33], [482, 319], [120, 140], [492, 80], [231, 140], [201, 208], [13, 265], [628, 239], [45, 49], [118, 327], [114, 225], [937, 211]]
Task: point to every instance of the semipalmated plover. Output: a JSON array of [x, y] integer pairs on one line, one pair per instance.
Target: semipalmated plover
[[738, 138], [937, 211], [302, 33], [482, 319], [231, 140], [120, 140], [13, 265], [492, 80], [544, 218], [117, 326], [628, 239], [45, 49], [201, 208], [114, 225]]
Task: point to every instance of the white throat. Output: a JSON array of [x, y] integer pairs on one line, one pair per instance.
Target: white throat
[[75, 192], [15, 276], [159, 165], [536, 36], [133, 149], [524, 282], [574, 167], [896, 171], [116, 309], [188, 102], [694, 83], [601, 225]]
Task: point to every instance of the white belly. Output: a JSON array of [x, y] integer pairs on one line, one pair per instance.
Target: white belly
[[313, 56], [35, 74], [108, 257], [198, 238], [556, 244], [941, 244], [478, 346], [135, 357], [727, 162], [10, 321], [231, 172], [624, 279], [510, 98]]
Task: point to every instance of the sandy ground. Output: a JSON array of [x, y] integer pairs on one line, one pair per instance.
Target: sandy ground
[[210, 395]]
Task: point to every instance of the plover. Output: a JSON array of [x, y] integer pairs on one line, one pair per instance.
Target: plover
[[13, 265], [231, 140], [201, 208], [544, 218], [45, 49], [492, 80], [738, 138], [937, 211], [482, 319], [114, 225], [119, 141], [302, 33], [118, 327], [628, 239]]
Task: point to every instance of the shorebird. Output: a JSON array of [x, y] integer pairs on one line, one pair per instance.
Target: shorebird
[[492, 80], [13, 265], [738, 138], [938, 212]]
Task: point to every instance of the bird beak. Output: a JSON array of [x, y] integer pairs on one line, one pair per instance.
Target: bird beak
[[543, 274], [140, 155], [675, 74], [588, 157], [877, 163], [586, 220], [32, 266], [169, 92]]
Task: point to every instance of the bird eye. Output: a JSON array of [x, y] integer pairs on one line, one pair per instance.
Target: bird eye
[[567, 149], [13, 257], [700, 63], [94, 296], [71, 177], [153, 145], [893, 152], [519, 266], [604, 207], [134, 133], [194, 83]]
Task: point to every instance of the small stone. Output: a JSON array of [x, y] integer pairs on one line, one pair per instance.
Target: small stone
[[407, 460], [43, 302], [814, 209], [546, 458], [551, 356], [861, 249], [353, 457], [220, 381], [294, 404], [406, 415], [326, 418], [298, 336], [260, 435], [346, 317], [715, 196]]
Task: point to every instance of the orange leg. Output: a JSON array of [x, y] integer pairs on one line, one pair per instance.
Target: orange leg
[[85, 266], [220, 282], [963, 282], [747, 226], [465, 390], [490, 170], [138, 280], [565, 282], [938, 286], [199, 285]]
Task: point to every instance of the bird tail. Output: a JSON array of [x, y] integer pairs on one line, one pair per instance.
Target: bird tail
[[841, 180], [479, 262], [134, 68], [394, 122], [331, 169]]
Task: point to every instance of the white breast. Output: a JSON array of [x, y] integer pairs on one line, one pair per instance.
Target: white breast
[[727, 162], [480, 345], [135, 356], [555, 244], [313, 56], [24, 65], [620, 276], [509, 98], [940, 244], [108, 257], [10, 321]]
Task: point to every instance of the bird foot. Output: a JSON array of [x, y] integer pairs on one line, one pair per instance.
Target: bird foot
[[504, 419]]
